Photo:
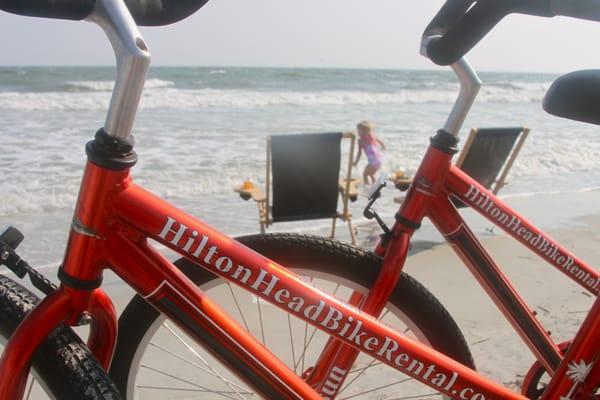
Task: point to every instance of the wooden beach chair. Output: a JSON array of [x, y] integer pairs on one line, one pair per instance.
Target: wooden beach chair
[[303, 180], [487, 156]]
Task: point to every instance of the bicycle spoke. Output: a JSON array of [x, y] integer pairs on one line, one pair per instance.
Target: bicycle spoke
[[383, 316], [30, 388], [480, 342], [200, 367], [179, 389], [367, 379], [378, 388], [203, 389], [373, 363], [301, 358], [194, 352], [260, 318], [170, 389], [306, 345], [362, 371], [337, 286], [312, 280], [237, 304], [291, 339], [417, 396], [363, 368]]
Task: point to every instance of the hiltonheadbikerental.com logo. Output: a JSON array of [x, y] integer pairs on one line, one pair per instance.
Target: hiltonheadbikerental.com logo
[[267, 285], [547, 247]]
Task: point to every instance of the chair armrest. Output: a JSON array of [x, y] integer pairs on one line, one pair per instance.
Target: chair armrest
[[253, 193], [352, 190], [401, 183]]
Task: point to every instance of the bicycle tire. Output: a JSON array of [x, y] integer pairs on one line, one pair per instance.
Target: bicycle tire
[[63, 365], [338, 259]]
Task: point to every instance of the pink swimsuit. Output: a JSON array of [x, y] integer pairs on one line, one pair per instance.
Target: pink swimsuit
[[369, 145]]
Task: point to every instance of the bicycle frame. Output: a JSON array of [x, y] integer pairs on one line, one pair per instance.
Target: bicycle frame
[[115, 218]]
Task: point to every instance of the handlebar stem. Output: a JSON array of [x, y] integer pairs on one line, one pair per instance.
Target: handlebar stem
[[133, 60], [469, 87]]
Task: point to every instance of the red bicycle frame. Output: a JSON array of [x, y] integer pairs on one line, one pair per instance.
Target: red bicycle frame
[[115, 219]]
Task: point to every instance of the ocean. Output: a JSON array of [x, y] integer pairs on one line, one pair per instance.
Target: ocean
[[200, 131]]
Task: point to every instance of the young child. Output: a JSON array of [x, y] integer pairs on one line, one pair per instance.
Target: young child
[[367, 142]]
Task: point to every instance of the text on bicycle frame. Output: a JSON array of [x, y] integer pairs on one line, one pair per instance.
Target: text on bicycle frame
[[546, 246], [265, 284]]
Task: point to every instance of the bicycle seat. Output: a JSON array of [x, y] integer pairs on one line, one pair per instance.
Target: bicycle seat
[[575, 96], [145, 12]]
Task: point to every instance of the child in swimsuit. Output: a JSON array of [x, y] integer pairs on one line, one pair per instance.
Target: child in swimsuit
[[367, 142]]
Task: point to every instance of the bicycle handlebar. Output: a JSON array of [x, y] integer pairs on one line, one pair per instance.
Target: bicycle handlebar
[[461, 24], [586, 9], [461, 36], [145, 12], [63, 9]]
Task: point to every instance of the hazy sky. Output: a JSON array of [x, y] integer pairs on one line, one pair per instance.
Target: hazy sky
[[307, 33]]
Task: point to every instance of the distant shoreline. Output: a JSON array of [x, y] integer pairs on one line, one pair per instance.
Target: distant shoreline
[[324, 68]]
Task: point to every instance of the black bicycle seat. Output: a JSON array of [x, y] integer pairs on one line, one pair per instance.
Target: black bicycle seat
[[575, 96]]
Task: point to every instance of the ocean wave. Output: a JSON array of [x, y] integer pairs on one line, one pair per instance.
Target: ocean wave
[[169, 97], [519, 85], [533, 174], [173, 184], [551, 192], [36, 201], [107, 86]]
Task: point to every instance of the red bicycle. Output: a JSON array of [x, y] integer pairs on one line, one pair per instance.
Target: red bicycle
[[116, 220]]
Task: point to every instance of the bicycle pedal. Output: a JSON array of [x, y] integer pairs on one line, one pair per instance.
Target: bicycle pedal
[[11, 237]]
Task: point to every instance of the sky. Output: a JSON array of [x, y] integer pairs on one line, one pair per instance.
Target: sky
[[307, 33]]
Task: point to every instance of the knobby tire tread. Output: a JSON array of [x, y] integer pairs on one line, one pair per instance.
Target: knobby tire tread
[[63, 362]]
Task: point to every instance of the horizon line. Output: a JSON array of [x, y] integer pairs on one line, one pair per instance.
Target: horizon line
[[433, 69]]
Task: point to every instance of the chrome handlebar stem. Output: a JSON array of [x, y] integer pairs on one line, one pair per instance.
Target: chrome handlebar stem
[[133, 61], [469, 88]]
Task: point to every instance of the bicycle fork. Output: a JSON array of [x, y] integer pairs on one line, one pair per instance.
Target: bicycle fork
[[63, 306], [79, 300], [335, 363]]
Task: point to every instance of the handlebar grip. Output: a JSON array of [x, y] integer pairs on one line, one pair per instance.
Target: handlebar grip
[[582, 9], [451, 11], [145, 12], [162, 12], [62, 9], [466, 32]]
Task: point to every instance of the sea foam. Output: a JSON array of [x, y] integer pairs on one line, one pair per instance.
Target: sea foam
[[94, 96]]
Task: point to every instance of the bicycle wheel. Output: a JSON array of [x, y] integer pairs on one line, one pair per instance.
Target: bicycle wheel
[[155, 360], [63, 367]]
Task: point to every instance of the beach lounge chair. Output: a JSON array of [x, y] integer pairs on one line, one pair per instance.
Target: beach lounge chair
[[487, 157], [303, 180], [489, 154]]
